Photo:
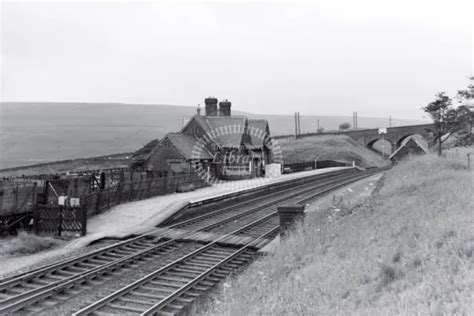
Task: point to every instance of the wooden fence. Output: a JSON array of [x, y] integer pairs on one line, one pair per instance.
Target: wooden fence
[[101, 200]]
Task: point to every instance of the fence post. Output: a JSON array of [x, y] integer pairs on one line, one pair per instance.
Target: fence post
[[97, 202], [33, 198], [83, 212], [148, 188], [36, 219], [60, 220], [131, 191], [16, 198], [119, 192], [109, 196], [165, 184]]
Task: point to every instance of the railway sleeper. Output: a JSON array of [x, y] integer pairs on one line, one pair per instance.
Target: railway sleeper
[[74, 268], [181, 272], [126, 308], [165, 278], [220, 275], [65, 273], [98, 261], [201, 261], [212, 279], [134, 301], [206, 283], [146, 295], [159, 289], [222, 270], [172, 306], [87, 266], [200, 288], [231, 265], [192, 293], [112, 256], [123, 252], [221, 251], [177, 276], [196, 264], [161, 284], [189, 269], [211, 257], [206, 261], [185, 300]]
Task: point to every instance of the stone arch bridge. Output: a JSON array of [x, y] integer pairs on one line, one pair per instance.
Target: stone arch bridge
[[394, 135], [367, 137]]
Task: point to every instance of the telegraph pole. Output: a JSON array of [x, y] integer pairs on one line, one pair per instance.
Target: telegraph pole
[[296, 127], [299, 124]]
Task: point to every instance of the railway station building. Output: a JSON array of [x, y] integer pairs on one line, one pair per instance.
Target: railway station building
[[218, 143]]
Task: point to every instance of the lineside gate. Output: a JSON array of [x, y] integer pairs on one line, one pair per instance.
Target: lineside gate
[[60, 220]]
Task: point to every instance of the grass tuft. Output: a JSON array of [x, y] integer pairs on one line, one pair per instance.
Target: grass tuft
[[25, 243], [388, 274]]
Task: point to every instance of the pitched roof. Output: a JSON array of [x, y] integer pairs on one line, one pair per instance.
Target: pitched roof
[[406, 143], [258, 130], [228, 131], [145, 152], [188, 146]]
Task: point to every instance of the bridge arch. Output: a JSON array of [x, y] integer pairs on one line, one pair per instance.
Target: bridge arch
[[380, 144]]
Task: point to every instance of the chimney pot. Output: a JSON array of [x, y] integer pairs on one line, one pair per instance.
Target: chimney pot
[[211, 106], [224, 108]]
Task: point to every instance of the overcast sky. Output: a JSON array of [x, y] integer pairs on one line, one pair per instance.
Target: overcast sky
[[330, 57]]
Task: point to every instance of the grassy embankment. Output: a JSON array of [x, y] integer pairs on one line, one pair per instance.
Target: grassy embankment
[[408, 249], [329, 147]]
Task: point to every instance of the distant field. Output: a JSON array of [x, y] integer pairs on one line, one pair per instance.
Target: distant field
[[32, 133], [329, 147]]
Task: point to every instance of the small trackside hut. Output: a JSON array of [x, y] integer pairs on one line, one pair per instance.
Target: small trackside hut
[[217, 143]]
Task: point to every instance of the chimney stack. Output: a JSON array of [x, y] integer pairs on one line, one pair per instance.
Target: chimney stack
[[211, 106], [224, 107]]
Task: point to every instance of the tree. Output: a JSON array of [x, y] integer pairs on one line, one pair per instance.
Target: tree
[[466, 113], [447, 120], [344, 126]]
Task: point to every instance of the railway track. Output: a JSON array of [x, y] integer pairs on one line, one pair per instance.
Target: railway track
[[117, 250], [43, 287], [170, 289], [203, 222]]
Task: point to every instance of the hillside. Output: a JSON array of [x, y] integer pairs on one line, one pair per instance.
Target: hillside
[[34, 133], [406, 250], [329, 147]]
